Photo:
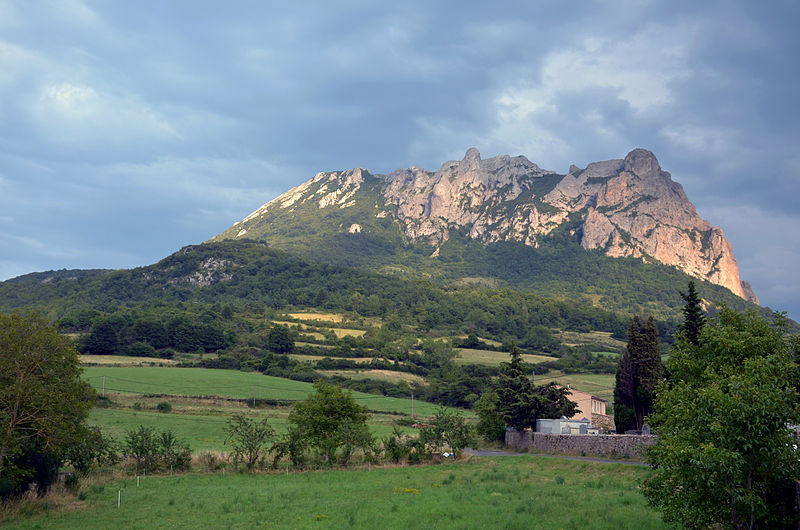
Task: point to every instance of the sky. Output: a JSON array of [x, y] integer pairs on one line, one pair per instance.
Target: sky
[[131, 129]]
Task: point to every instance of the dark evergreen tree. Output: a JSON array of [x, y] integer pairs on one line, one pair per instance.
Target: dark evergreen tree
[[514, 389], [552, 401], [694, 317], [520, 403], [638, 375]]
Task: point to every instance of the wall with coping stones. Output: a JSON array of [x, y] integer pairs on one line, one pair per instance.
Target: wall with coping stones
[[617, 445]]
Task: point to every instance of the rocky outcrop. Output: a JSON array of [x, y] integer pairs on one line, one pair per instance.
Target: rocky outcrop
[[625, 207], [628, 207]]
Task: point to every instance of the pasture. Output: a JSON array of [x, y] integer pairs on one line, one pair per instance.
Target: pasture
[[385, 375], [229, 384], [125, 360], [600, 385], [595, 338], [494, 358], [203, 400], [498, 492]]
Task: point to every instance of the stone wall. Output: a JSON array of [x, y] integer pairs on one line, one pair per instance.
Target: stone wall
[[616, 445], [519, 439]]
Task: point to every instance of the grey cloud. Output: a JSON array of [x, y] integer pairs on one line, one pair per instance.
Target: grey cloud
[[186, 116]]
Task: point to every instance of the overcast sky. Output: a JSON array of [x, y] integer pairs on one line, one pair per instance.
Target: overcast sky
[[130, 129]]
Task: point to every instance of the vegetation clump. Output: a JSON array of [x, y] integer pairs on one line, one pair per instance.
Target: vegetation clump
[[43, 402], [725, 455]]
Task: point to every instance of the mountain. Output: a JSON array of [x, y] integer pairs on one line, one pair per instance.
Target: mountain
[[408, 220]]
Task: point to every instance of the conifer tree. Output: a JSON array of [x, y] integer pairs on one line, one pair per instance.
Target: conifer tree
[[693, 315], [638, 375], [514, 390], [520, 403]]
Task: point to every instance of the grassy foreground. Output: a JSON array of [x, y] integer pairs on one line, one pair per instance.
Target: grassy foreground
[[509, 492]]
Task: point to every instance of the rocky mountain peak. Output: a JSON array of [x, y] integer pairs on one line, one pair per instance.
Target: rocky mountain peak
[[643, 163], [472, 158], [623, 207]]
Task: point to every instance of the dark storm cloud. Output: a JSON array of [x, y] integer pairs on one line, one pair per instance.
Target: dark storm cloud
[[130, 129]]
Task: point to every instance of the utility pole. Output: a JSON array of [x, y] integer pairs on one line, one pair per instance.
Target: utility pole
[[412, 403], [104, 386]]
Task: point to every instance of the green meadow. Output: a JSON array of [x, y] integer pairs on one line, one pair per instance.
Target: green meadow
[[203, 382], [203, 400], [498, 492]]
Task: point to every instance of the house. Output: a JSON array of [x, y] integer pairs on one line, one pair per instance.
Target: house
[[592, 408]]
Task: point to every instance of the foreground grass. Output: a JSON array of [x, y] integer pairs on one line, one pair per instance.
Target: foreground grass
[[227, 383], [511, 492]]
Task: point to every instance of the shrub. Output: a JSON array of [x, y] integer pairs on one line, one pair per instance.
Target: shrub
[[395, 448], [164, 407], [248, 439], [155, 450], [449, 429], [93, 449], [210, 461], [173, 453]]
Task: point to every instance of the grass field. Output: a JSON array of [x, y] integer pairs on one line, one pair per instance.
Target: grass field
[[494, 358], [124, 360], [600, 338], [359, 360], [322, 317], [600, 385], [510, 492], [226, 383], [203, 432], [308, 329], [385, 375]]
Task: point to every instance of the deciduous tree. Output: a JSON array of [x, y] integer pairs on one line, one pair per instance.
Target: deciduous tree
[[279, 339], [724, 455], [43, 401], [248, 438], [320, 418]]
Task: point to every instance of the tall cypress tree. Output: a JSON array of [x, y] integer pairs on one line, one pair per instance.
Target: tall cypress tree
[[637, 375], [694, 317]]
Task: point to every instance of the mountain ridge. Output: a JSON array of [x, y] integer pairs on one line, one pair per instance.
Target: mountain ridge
[[627, 208]]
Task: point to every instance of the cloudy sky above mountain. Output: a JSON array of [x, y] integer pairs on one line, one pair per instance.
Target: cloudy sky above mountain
[[130, 129]]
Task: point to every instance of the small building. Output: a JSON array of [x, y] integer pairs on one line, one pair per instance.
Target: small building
[[564, 425], [593, 408]]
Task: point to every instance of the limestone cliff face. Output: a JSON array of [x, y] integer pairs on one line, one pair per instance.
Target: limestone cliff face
[[625, 208]]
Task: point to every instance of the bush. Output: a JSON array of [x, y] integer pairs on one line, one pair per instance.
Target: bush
[[173, 453], [210, 461], [248, 439], [140, 349], [93, 449], [395, 448], [164, 407], [154, 450], [449, 429]]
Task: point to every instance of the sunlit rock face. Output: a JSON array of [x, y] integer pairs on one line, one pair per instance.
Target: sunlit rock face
[[626, 208]]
